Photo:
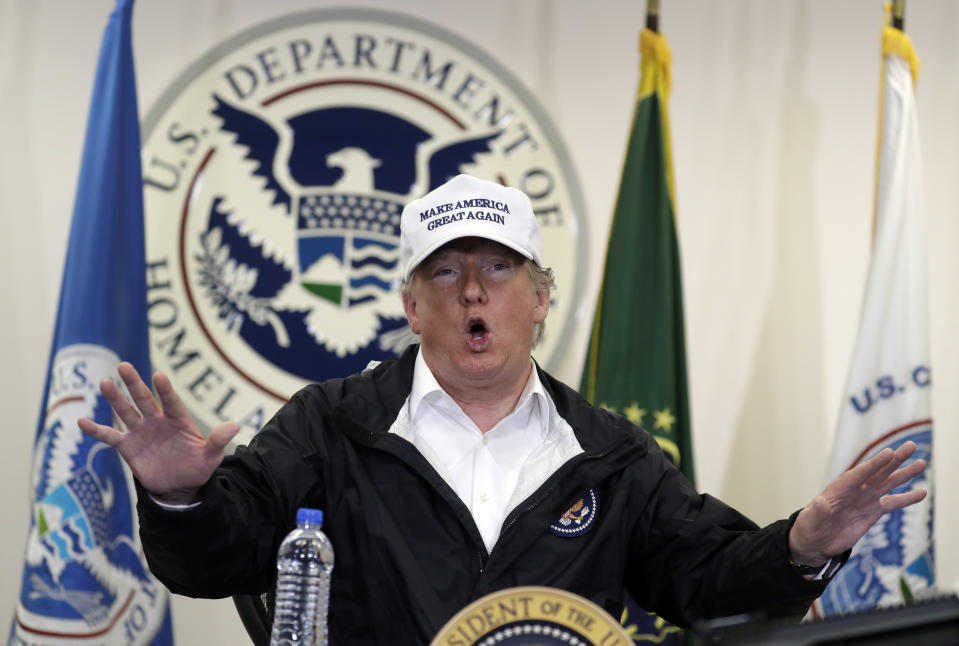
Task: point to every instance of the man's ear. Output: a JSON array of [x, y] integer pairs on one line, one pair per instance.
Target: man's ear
[[542, 306], [409, 305]]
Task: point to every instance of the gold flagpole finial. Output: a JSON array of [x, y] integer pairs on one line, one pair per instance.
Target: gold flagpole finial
[[652, 15], [899, 14]]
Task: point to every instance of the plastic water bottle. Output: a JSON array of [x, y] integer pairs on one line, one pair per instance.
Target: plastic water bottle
[[304, 564]]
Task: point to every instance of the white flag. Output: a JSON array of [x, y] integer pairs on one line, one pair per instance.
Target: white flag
[[886, 402]]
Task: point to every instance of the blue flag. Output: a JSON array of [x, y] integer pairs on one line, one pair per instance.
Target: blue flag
[[84, 577]]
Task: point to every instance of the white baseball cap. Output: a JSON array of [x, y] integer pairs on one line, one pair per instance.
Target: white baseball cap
[[466, 206]]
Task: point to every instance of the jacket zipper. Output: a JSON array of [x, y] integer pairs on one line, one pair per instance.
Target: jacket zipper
[[437, 482], [530, 508]]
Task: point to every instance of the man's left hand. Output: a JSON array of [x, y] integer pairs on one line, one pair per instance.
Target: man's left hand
[[838, 517]]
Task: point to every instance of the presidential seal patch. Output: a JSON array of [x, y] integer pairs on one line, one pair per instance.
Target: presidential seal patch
[[275, 171], [579, 518], [532, 615]]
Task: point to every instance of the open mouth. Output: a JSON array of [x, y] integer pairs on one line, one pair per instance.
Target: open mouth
[[476, 331]]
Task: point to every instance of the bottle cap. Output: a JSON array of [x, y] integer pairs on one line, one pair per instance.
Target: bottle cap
[[307, 515]]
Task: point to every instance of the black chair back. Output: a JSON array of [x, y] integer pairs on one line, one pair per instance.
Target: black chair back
[[256, 613]]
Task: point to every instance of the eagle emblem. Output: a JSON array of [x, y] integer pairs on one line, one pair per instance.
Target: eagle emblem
[[579, 518], [574, 514], [313, 280]]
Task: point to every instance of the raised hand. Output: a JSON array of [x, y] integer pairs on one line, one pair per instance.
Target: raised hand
[[838, 517], [162, 445]]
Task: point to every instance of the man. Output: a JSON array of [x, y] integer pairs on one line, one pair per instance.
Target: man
[[461, 468]]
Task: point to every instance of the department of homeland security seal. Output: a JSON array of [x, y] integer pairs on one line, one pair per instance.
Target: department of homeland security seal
[[83, 578], [532, 615], [275, 171]]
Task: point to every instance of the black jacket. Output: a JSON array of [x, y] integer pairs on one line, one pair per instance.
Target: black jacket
[[407, 552]]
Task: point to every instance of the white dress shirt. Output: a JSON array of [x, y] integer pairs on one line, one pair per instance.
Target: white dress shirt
[[491, 472]]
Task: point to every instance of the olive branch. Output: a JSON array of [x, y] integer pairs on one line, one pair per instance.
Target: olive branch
[[228, 285]]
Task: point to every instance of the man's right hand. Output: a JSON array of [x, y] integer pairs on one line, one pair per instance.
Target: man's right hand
[[162, 445]]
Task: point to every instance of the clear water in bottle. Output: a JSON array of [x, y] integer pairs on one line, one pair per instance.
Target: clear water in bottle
[[304, 564]]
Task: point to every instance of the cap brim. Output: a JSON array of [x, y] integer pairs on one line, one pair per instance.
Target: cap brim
[[436, 244]]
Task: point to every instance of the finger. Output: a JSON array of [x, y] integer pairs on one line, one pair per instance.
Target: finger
[[221, 435], [907, 449], [125, 411], [899, 456], [879, 477], [861, 473], [902, 476], [138, 390], [106, 434], [900, 500], [169, 399]]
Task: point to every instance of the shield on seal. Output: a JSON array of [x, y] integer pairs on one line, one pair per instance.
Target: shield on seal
[[347, 245]]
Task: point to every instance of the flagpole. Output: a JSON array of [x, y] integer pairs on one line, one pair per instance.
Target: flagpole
[[652, 15], [898, 14]]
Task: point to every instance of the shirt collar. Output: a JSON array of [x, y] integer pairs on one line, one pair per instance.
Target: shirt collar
[[425, 386]]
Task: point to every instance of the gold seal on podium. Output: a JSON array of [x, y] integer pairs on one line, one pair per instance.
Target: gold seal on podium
[[532, 616]]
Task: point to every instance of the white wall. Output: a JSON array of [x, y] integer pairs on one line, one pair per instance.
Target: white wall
[[774, 133]]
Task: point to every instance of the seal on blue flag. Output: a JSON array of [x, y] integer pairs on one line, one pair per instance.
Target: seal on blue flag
[[82, 575]]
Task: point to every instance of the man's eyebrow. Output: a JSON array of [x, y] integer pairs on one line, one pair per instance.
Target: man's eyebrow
[[505, 254], [439, 256]]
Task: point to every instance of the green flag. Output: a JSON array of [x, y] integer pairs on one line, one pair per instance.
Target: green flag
[[636, 362]]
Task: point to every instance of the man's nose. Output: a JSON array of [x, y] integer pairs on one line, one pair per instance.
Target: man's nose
[[472, 290]]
